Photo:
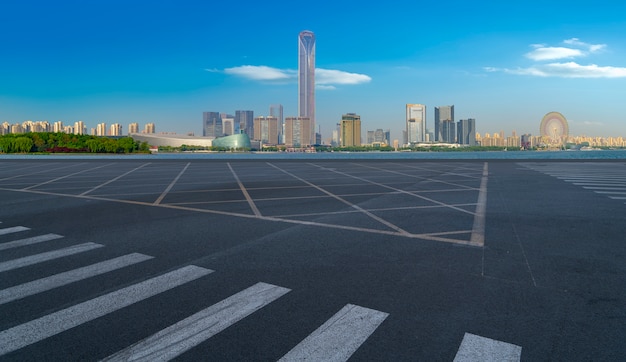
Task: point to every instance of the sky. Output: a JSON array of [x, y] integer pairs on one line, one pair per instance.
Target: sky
[[505, 64]]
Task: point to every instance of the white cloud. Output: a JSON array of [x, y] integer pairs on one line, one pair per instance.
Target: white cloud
[[567, 70], [261, 73], [552, 53], [593, 48], [329, 76], [324, 78], [325, 87]]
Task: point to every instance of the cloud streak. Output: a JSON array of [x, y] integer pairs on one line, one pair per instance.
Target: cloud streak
[[325, 79], [571, 69]]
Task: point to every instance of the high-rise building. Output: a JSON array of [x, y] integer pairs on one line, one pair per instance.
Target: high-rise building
[[116, 129], [350, 130], [244, 122], [211, 124], [149, 128], [444, 124], [276, 110], [266, 130], [79, 127], [133, 128], [306, 78], [297, 131], [415, 123], [466, 132], [101, 129], [57, 127]]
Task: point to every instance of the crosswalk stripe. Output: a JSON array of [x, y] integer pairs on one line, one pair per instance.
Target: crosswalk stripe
[[38, 258], [339, 337], [477, 348], [36, 330], [13, 229], [29, 241], [61, 279], [184, 335]]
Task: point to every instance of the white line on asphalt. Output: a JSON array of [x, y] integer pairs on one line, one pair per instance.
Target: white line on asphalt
[[29, 241], [113, 180], [158, 201], [38, 258], [478, 229], [41, 328], [13, 229], [189, 332], [339, 337], [46, 169], [357, 207], [71, 276], [477, 348], [244, 191], [62, 177]]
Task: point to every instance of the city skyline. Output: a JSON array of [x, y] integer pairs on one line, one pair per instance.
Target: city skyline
[[505, 65]]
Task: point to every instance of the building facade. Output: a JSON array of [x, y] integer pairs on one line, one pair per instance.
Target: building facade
[[244, 122], [306, 79], [415, 123], [350, 130], [266, 130], [444, 124], [466, 132], [297, 131], [211, 124]]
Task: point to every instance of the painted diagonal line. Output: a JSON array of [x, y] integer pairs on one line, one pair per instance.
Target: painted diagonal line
[[61, 279], [186, 334], [29, 241], [339, 337], [113, 180], [36, 330], [38, 258], [38, 172], [478, 229], [66, 176], [167, 190], [245, 192], [477, 348], [14, 229], [362, 210]]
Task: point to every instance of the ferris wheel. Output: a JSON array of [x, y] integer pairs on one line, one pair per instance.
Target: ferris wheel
[[554, 129]]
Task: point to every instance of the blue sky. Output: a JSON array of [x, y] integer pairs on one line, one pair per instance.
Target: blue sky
[[506, 64]]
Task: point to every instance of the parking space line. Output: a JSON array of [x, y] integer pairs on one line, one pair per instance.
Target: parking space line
[[29, 241], [158, 201], [38, 172], [478, 229], [66, 176], [14, 229], [339, 337], [191, 331], [49, 325], [68, 277], [244, 191], [113, 180], [354, 206], [420, 177]]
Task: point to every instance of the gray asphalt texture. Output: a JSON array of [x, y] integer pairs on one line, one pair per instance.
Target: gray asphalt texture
[[391, 236]]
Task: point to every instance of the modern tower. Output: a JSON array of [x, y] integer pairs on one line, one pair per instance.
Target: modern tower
[[306, 78], [444, 124], [415, 123], [211, 124], [276, 110], [244, 122], [350, 130], [466, 132]]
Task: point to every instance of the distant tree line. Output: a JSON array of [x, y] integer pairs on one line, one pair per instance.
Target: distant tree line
[[47, 142]]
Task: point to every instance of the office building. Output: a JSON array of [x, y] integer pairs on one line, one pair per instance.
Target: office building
[[244, 122], [444, 124], [350, 130], [211, 124], [266, 130], [306, 79], [415, 123], [466, 132], [276, 110], [297, 131]]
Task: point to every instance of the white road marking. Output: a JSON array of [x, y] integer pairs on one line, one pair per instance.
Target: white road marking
[[50, 255], [66, 176], [41, 328], [244, 191], [113, 179], [158, 201], [339, 337], [61, 279], [476, 348], [188, 333], [13, 229], [478, 229], [29, 241]]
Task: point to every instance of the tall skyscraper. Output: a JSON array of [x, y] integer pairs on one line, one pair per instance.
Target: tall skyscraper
[[306, 78], [244, 122], [266, 129], [444, 124], [133, 128], [276, 110], [211, 124], [297, 131], [350, 130], [415, 123], [466, 132]]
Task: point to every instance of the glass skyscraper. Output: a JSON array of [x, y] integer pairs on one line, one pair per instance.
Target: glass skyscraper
[[444, 124], [306, 78], [415, 123]]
